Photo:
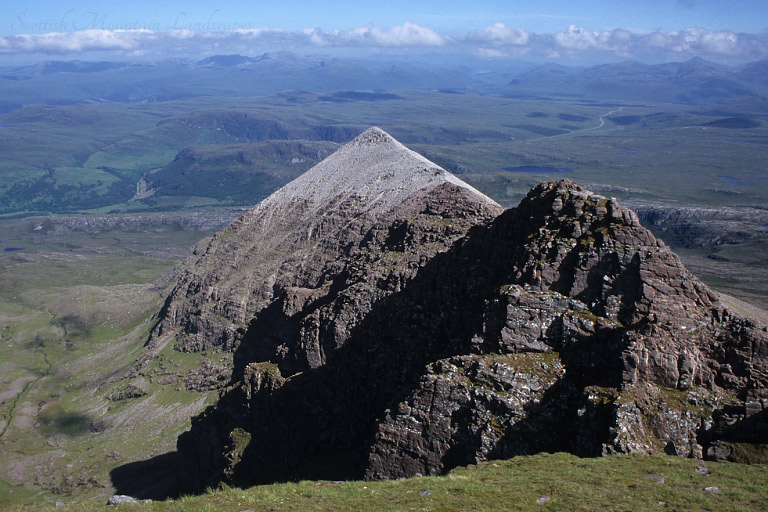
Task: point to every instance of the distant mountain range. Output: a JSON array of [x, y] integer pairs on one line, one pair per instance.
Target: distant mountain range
[[695, 81], [64, 82], [224, 75]]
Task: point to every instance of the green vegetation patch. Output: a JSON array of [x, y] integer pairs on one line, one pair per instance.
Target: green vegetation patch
[[545, 482], [75, 312]]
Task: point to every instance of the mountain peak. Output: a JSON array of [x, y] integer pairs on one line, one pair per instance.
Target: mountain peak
[[373, 136], [374, 168], [301, 235]]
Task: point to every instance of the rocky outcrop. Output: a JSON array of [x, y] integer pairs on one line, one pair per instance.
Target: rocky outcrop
[[436, 337], [61, 225], [373, 207], [643, 344], [705, 227], [462, 410]]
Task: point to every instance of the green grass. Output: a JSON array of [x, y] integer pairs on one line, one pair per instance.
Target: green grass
[[75, 311], [616, 483]]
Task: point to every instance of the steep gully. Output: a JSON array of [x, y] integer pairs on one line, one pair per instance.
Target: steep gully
[[44, 373]]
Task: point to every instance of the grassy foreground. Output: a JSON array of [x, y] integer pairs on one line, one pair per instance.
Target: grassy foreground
[[542, 483]]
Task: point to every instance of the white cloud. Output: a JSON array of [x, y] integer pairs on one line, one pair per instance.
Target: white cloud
[[148, 41], [494, 40], [75, 42], [698, 40], [499, 34], [576, 38], [406, 35], [704, 43], [623, 43], [402, 36], [721, 42]]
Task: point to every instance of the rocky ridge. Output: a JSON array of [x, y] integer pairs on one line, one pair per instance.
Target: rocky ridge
[[200, 221], [409, 329], [313, 238]]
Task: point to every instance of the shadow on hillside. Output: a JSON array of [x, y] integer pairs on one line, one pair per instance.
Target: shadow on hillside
[[321, 423], [153, 478]]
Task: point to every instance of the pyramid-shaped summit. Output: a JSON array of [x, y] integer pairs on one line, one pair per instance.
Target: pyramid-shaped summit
[[375, 168], [360, 208]]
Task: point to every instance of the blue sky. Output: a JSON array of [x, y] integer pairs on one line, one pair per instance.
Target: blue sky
[[718, 29], [449, 16]]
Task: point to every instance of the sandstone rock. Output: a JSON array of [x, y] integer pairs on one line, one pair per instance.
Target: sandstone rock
[[417, 332], [292, 246], [465, 409]]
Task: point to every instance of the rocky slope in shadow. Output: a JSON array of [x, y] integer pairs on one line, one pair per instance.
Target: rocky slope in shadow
[[387, 321]]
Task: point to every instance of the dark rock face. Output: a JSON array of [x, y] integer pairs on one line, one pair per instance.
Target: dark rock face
[[437, 337], [464, 409], [300, 340], [641, 341]]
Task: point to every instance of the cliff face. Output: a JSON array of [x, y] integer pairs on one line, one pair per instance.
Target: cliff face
[[416, 328], [323, 232], [597, 341]]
